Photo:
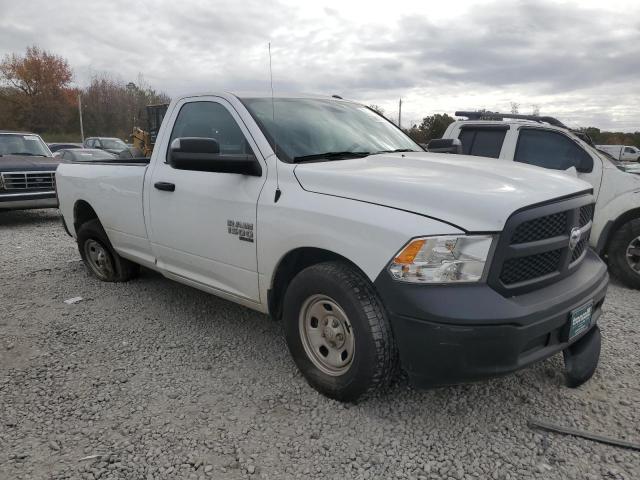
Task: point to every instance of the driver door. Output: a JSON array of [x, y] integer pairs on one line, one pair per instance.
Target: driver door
[[204, 229]]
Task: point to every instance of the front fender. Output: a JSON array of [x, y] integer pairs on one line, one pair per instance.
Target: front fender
[[368, 235]]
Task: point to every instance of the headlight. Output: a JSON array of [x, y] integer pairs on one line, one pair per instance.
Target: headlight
[[442, 259]]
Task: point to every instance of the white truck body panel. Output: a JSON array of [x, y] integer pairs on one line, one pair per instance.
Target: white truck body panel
[[616, 192], [364, 210], [484, 196]]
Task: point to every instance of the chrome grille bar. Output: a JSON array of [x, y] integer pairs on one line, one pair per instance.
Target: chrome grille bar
[[29, 180]]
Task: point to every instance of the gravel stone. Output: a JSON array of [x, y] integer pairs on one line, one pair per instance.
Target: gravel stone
[[153, 379]]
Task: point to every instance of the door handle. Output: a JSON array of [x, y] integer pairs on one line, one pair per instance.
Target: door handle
[[166, 186]]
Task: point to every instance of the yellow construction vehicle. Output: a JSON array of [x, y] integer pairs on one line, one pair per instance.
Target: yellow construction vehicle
[[144, 140]]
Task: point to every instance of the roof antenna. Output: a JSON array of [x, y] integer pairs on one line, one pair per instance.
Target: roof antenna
[[275, 144]]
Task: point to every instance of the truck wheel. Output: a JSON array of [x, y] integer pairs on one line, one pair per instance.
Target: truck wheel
[[338, 332], [624, 253], [581, 359], [100, 257]]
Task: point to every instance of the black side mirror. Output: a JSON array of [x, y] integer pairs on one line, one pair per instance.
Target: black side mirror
[[585, 165], [203, 155], [445, 145]]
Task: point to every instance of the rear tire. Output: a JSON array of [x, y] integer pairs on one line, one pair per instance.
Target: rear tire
[[99, 256], [624, 253], [338, 332]]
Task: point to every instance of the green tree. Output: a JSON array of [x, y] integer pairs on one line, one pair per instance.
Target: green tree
[[431, 127]]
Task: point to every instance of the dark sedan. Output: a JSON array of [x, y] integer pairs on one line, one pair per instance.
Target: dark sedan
[[27, 172]]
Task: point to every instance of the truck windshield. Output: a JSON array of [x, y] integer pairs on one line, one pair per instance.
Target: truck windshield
[[23, 144], [323, 129]]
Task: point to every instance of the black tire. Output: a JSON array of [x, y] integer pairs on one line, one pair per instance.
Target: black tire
[[92, 238], [617, 253], [374, 357], [581, 359]]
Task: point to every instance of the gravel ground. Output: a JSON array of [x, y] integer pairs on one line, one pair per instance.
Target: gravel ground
[[152, 379]]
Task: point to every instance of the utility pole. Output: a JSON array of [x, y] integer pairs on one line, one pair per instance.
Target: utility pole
[[400, 114], [80, 111]]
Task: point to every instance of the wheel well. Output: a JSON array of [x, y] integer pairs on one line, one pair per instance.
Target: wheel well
[[291, 264], [82, 213], [615, 225]]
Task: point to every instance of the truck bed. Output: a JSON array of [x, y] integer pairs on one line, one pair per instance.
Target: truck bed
[[114, 190]]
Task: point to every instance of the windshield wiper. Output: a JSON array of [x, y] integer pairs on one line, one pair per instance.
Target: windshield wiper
[[28, 154], [397, 150], [330, 156]]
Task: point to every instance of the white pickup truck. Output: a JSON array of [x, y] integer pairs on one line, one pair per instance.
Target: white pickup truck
[[622, 153], [547, 143], [373, 253]]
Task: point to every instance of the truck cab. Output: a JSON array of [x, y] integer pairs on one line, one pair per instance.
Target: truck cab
[[545, 142]]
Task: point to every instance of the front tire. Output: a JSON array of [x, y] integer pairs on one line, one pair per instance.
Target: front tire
[[100, 257], [624, 254], [338, 332]]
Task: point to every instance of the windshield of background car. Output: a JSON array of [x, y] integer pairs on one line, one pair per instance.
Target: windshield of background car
[[314, 126], [23, 144], [113, 143]]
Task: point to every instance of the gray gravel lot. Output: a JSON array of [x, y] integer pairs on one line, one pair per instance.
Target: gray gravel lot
[[160, 380]]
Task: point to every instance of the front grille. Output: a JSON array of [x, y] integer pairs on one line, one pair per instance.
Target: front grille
[[522, 269], [29, 180], [580, 247], [534, 248], [539, 228], [586, 214]]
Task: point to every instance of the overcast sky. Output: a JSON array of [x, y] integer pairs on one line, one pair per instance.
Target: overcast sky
[[577, 60]]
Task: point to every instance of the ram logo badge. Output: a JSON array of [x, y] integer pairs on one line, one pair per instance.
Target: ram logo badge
[[574, 238], [244, 230]]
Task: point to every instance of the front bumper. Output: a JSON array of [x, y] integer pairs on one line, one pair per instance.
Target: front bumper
[[450, 334], [27, 200]]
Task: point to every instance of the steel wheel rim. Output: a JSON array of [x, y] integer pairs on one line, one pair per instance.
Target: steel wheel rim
[[633, 255], [326, 334], [98, 259]]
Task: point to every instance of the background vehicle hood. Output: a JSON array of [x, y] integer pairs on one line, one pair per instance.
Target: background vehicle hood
[[13, 163], [473, 193]]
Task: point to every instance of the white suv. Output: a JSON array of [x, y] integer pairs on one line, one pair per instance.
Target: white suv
[[547, 143]]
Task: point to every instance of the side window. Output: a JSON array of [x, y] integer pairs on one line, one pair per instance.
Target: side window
[[89, 143], [482, 142], [553, 150], [628, 150], [210, 120]]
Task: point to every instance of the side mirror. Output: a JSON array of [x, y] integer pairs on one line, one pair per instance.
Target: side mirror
[[586, 165], [203, 155], [445, 145]]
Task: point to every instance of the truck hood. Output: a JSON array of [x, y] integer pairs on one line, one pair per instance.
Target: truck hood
[[19, 163], [475, 194]]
